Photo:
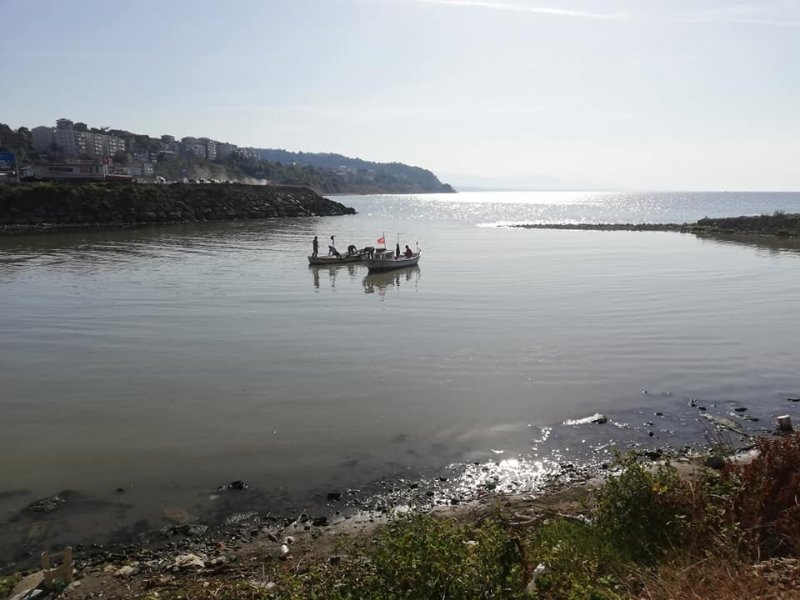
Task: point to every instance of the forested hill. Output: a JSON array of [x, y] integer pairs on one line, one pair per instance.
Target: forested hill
[[357, 175]]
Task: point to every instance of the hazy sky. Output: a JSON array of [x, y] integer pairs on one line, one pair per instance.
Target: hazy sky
[[644, 94]]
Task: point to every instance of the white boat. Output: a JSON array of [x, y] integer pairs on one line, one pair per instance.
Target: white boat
[[335, 260], [384, 261]]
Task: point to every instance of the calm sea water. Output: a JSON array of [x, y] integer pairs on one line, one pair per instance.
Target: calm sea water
[[167, 361]]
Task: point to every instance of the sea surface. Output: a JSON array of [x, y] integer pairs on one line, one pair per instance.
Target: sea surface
[[140, 370]]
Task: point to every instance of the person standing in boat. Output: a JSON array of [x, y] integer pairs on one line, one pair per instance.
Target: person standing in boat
[[332, 248], [315, 247], [397, 250]]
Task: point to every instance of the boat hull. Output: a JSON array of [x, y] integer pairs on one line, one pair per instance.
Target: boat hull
[[334, 260], [390, 262]]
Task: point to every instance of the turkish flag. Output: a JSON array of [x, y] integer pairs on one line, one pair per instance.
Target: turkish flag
[[381, 240]]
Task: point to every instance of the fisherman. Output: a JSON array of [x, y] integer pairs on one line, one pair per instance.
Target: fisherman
[[332, 249], [397, 250], [408, 252], [352, 250], [315, 246]]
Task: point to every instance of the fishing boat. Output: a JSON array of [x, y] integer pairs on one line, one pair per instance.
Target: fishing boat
[[336, 260], [385, 261]]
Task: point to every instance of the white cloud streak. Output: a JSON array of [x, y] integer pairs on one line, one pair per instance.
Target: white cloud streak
[[523, 8]]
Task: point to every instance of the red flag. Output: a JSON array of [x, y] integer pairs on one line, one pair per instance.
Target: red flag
[[381, 240]]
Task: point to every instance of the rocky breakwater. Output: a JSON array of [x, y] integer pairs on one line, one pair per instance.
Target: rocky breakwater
[[777, 224], [47, 205]]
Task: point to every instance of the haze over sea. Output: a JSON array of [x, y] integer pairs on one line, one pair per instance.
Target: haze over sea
[[170, 360]]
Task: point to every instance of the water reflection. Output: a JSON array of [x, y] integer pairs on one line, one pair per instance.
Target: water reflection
[[332, 271], [771, 243], [379, 282]]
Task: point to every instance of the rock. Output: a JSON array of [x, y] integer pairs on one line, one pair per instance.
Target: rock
[[289, 540], [178, 515], [283, 552], [27, 584], [723, 423], [793, 398], [238, 485], [120, 490], [336, 559], [530, 589], [188, 561], [320, 521], [125, 571], [334, 496], [48, 504], [740, 409], [196, 530], [72, 586], [29, 595], [714, 462], [785, 423], [272, 537]]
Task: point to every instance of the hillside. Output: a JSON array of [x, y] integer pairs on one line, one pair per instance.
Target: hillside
[[360, 173], [324, 172]]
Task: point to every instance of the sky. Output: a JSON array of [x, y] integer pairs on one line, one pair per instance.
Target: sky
[[573, 94]]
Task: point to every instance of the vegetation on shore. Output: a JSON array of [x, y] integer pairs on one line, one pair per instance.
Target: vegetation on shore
[[778, 224], [650, 531]]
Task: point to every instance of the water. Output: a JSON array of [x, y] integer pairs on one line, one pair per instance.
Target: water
[[167, 361]]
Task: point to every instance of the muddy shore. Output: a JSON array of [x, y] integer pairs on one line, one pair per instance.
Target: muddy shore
[[237, 547], [243, 551]]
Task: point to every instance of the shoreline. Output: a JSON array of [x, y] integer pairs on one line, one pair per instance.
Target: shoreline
[[236, 552], [258, 529], [663, 426]]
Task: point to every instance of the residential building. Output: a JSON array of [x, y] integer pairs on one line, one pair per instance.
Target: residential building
[[42, 138], [210, 148], [225, 150]]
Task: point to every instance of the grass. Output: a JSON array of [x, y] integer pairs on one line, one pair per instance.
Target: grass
[[7, 584]]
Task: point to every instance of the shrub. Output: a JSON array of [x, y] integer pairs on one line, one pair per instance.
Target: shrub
[[765, 502], [645, 511], [580, 563], [425, 557]]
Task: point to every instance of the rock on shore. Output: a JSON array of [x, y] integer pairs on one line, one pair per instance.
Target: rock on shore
[[68, 205]]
